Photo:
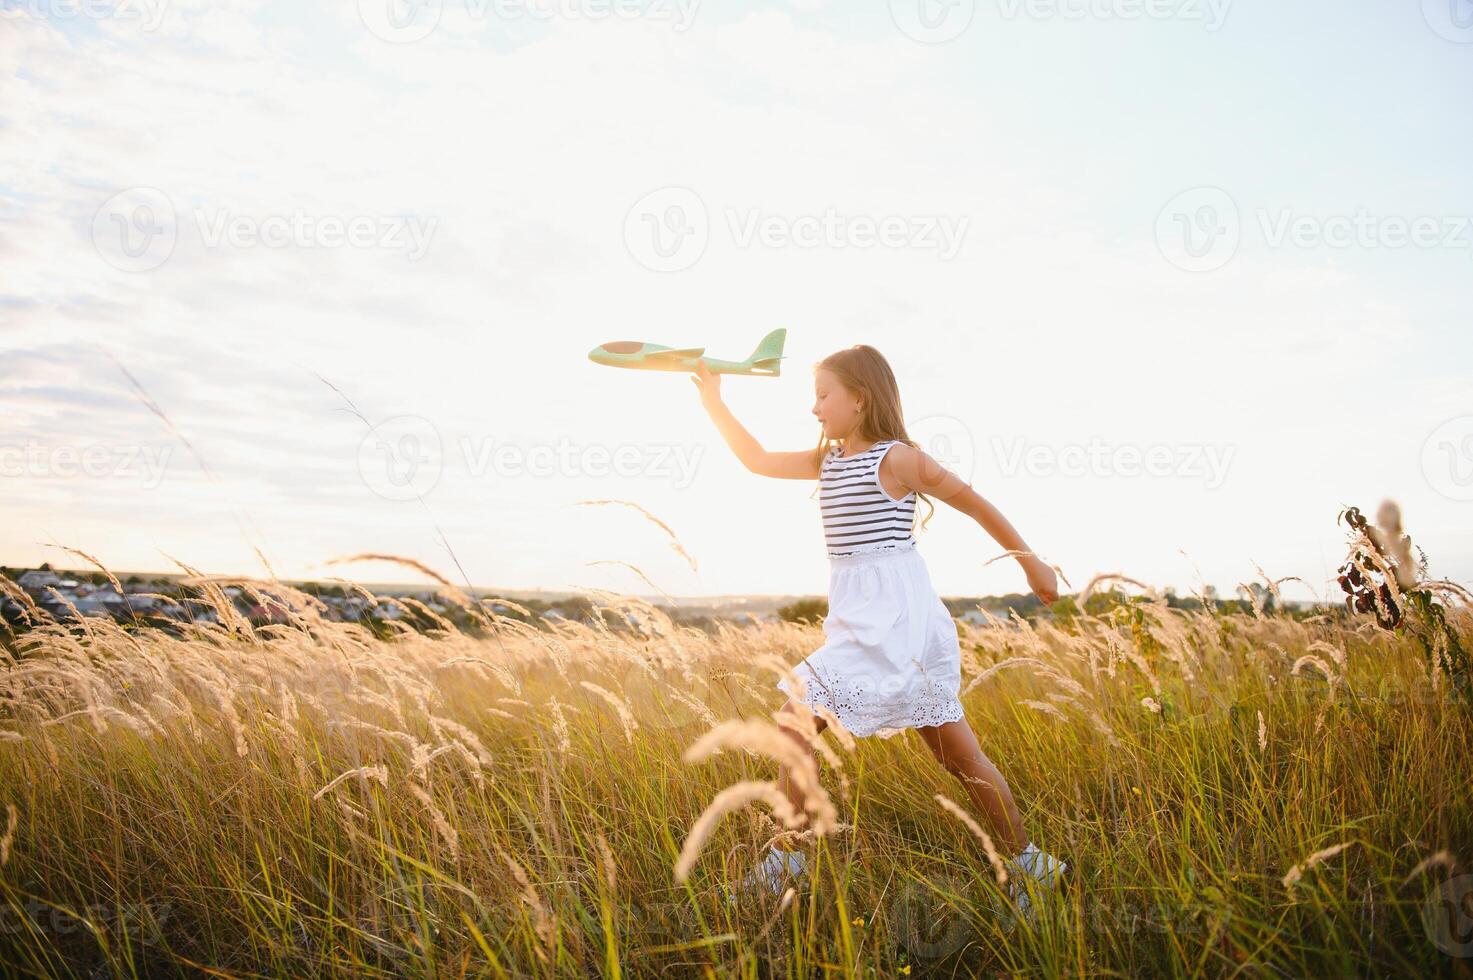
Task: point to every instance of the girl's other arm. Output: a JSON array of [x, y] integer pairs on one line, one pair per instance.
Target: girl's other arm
[[787, 466], [918, 471]]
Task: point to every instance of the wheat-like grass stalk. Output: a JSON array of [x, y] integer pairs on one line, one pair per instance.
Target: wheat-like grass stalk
[[999, 868], [840, 730], [543, 919], [610, 866], [697, 705], [12, 821], [731, 798], [626, 717], [674, 540], [1112, 578], [559, 726], [439, 726], [1045, 707], [766, 738], [1336, 653], [377, 773], [1443, 859], [451, 590], [1310, 660], [442, 826], [313, 698], [1296, 873]]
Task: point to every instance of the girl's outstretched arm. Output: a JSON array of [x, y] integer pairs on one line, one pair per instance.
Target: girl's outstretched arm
[[917, 470], [788, 466]]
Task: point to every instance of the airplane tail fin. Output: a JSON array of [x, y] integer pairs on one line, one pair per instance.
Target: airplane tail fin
[[769, 353]]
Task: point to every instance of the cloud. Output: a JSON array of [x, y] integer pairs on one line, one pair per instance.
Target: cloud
[[527, 145]]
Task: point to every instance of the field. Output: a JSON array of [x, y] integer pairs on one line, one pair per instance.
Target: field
[[1242, 793]]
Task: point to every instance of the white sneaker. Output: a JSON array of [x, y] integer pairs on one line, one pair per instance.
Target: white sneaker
[[1031, 872], [773, 873]]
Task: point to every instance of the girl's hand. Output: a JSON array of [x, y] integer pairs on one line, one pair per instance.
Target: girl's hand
[[708, 383], [1042, 580]]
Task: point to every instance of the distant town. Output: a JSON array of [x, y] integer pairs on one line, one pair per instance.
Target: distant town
[[68, 595], [161, 600]]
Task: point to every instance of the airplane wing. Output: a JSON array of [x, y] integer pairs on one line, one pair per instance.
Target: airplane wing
[[675, 355]]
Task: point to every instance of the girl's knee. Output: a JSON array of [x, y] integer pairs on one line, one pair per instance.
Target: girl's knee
[[789, 718], [955, 765], [962, 765]]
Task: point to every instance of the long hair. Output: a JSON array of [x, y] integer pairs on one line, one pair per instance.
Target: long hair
[[865, 372]]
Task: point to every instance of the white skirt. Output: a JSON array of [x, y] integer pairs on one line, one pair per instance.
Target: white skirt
[[891, 660]]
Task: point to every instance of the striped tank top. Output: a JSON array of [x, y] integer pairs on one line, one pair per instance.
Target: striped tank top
[[858, 515]]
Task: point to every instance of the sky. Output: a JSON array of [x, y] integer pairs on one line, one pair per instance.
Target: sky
[[1169, 282]]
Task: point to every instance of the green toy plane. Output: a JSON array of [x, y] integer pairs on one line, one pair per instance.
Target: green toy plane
[[653, 357]]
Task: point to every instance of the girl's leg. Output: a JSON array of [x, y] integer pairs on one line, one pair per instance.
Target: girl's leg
[[956, 748], [773, 870], [789, 725]]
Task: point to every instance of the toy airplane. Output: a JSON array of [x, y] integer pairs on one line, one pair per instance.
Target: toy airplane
[[653, 357]]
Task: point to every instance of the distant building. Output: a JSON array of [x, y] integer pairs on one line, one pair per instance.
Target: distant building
[[88, 606], [39, 580], [204, 614], [353, 606]]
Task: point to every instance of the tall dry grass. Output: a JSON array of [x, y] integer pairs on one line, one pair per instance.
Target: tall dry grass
[[1235, 794]]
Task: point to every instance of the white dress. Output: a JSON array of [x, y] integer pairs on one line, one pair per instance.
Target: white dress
[[891, 659]]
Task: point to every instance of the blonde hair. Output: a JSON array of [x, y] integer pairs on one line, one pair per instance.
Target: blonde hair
[[865, 372]]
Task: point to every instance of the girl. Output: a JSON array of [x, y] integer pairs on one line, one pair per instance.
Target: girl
[[891, 659]]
